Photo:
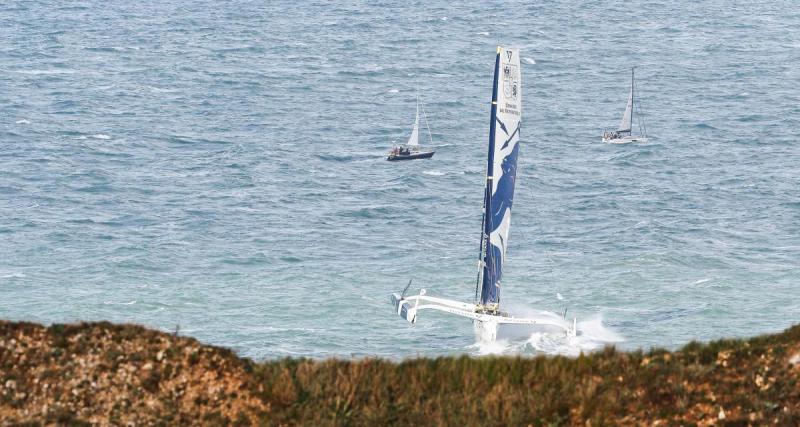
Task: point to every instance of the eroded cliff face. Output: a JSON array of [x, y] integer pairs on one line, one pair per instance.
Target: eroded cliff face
[[107, 374], [104, 374]]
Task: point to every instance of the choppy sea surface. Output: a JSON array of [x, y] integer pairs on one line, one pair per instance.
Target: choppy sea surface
[[219, 168]]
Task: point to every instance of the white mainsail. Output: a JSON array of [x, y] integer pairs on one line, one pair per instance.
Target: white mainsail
[[414, 138], [627, 118]]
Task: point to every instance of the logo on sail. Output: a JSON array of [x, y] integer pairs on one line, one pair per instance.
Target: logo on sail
[[511, 81]]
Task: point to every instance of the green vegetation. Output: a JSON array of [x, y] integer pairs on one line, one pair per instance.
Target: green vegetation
[[101, 373]]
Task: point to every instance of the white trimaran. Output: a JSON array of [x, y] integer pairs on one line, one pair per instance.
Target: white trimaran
[[498, 196], [624, 134]]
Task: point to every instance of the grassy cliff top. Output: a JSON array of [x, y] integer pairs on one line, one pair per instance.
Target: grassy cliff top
[[100, 373]]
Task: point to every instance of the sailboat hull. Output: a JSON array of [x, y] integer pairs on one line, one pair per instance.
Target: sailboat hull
[[486, 325], [624, 140], [412, 156]]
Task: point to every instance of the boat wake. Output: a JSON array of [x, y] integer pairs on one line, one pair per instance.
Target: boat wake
[[592, 336]]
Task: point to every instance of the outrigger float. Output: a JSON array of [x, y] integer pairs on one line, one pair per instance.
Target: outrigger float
[[498, 197]]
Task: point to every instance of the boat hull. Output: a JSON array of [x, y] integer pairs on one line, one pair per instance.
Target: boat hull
[[625, 140], [412, 156], [486, 325]]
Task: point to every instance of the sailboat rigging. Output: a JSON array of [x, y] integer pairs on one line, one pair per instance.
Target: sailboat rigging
[[624, 134], [504, 134]]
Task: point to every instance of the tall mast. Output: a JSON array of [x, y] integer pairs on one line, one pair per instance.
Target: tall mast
[[632, 100], [487, 226], [425, 117]]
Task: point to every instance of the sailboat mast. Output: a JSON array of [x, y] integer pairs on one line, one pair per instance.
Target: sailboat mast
[[633, 104], [427, 125], [490, 166], [480, 256], [416, 119], [487, 197], [487, 227]]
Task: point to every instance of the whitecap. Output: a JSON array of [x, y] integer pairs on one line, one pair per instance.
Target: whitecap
[[132, 302], [483, 33], [11, 275], [23, 122], [160, 90], [529, 60], [393, 91], [559, 296], [444, 18], [46, 72], [101, 136], [433, 173]]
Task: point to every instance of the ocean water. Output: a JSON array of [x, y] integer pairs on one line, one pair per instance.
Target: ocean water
[[218, 168]]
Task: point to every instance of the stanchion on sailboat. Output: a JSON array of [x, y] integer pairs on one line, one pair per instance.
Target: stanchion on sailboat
[[498, 196]]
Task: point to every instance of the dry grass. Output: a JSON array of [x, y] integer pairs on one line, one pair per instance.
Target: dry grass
[[728, 382]]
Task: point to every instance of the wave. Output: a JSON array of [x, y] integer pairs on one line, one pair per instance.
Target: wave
[[132, 302], [334, 157], [11, 275], [190, 140], [368, 212], [46, 72], [751, 118]]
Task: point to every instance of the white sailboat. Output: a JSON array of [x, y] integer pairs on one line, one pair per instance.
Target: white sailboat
[[504, 128], [624, 134], [412, 150]]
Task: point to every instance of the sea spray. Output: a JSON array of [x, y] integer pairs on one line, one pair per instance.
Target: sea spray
[[535, 339]]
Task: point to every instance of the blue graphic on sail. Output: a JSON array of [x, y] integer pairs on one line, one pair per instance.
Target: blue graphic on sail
[[501, 171]]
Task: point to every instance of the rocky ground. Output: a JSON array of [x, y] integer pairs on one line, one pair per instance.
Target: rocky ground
[[105, 374], [99, 373]]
